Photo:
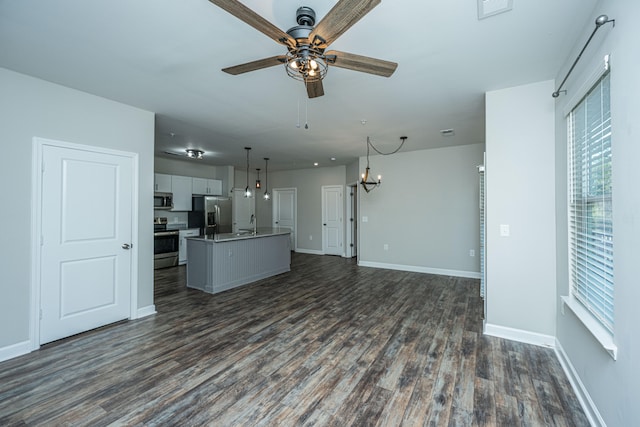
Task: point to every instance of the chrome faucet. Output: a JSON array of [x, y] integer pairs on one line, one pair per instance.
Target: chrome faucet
[[254, 221]]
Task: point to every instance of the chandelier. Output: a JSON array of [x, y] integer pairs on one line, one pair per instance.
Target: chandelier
[[367, 182]]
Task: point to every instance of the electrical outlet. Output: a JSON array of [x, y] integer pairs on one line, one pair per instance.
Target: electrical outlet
[[310, 237], [504, 230], [230, 253], [365, 219], [472, 252], [386, 246]]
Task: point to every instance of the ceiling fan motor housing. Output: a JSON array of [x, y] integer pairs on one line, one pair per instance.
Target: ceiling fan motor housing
[[305, 16]]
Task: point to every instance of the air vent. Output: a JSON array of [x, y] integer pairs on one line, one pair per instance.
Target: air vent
[[487, 8]]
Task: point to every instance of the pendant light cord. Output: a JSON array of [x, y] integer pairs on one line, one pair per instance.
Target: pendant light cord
[[369, 143]]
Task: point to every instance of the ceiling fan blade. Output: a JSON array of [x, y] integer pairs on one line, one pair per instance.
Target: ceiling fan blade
[[339, 19], [314, 88], [249, 17], [361, 63], [255, 65]]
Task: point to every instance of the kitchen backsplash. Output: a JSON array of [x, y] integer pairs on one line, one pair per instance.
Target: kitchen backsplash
[[172, 217]]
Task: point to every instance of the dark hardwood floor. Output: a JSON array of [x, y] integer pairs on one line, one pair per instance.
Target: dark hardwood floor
[[327, 344]]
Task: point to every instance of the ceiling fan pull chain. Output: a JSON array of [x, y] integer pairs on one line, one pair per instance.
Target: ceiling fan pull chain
[[306, 114]]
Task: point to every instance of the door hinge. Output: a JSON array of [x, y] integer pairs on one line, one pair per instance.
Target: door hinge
[[41, 240], [40, 314], [42, 168], [351, 244]]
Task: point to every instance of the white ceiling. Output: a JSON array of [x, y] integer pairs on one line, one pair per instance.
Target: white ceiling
[[166, 55]]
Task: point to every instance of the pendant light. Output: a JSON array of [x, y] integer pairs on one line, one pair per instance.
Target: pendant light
[[247, 191], [266, 195], [258, 179]]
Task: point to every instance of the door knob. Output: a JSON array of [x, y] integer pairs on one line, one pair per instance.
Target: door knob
[[324, 225], [126, 246]]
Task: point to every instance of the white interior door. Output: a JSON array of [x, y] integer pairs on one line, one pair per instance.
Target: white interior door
[[86, 223], [284, 211], [332, 224]]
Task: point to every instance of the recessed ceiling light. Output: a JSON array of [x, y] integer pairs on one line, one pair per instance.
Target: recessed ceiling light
[[447, 132], [315, 164], [333, 159]]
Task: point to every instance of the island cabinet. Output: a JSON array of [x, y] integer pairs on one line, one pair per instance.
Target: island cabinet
[[230, 260]]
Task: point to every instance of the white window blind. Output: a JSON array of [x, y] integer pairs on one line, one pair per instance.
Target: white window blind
[[590, 210]]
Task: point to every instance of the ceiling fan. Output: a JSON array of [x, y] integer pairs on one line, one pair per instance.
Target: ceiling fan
[[306, 58]]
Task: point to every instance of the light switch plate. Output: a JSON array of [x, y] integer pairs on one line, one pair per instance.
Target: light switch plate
[[504, 230]]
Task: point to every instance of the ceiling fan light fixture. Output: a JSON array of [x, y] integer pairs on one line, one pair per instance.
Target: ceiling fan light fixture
[[306, 64]]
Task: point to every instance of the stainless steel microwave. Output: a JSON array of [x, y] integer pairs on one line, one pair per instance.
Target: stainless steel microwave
[[162, 200]]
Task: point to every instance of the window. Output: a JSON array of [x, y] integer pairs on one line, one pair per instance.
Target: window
[[590, 208]]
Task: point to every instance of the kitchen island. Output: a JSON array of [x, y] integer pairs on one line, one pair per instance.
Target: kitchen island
[[229, 260]]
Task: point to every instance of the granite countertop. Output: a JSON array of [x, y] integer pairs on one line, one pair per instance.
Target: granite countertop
[[243, 235]]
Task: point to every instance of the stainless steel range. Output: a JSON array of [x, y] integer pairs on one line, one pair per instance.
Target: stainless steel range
[[165, 244]]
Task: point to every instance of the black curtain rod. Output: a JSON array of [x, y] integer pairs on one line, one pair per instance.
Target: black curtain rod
[[600, 21]]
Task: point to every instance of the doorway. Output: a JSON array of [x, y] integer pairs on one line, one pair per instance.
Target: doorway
[[285, 211], [85, 199]]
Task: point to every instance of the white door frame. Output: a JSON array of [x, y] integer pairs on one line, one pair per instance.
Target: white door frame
[[36, 227], [295, 212], [350, 241]]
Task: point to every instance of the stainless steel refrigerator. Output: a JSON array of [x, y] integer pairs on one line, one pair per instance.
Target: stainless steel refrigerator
[[211, 214]]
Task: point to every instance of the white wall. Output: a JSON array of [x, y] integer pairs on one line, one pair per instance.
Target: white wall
[[614, 386], [309, 183], [520, 182], [426, 211], [31, 107]]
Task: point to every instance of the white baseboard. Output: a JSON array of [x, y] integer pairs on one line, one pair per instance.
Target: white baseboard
[[15, 350], [419, 269], [25, 347], [309, 251], [520, 335], [589, 408], [146, 311]]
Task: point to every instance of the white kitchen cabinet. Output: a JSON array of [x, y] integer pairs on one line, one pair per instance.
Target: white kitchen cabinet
[[181, 189], [182, 249], [207, 187], [162, 183]]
